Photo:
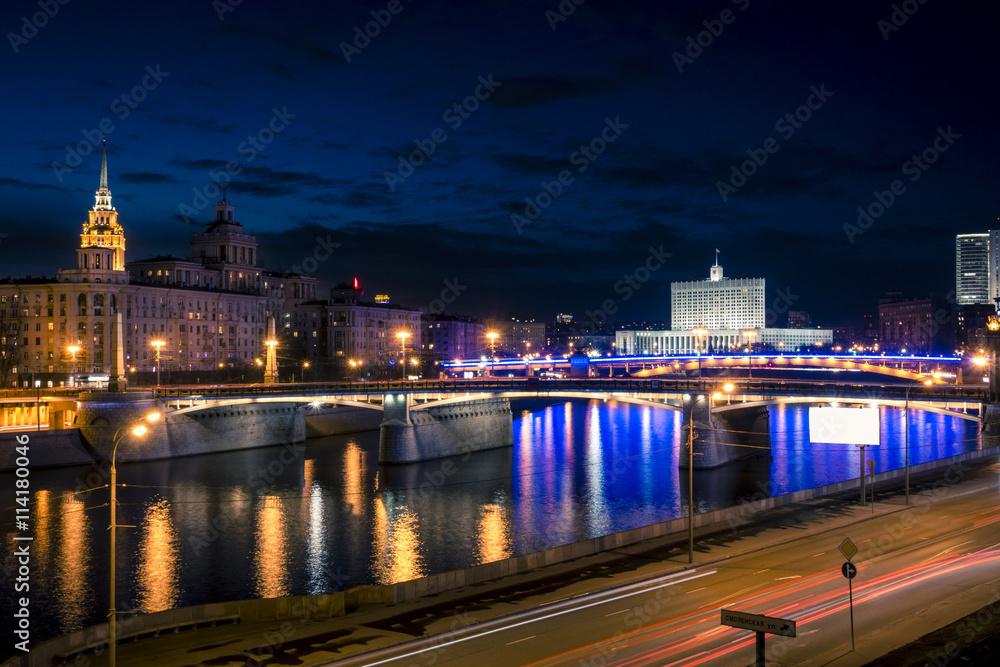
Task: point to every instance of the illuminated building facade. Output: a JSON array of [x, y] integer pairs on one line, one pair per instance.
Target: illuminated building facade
[[209, 310], [717, 316], [717, 303], [974, 281]]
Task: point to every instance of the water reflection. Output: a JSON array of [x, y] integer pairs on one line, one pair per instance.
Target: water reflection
[[75, 585], [271, 554], [157, 571], [493, 533], [396, 554]]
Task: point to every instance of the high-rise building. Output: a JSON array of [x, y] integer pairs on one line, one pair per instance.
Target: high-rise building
[[974, 281], [717, 303]]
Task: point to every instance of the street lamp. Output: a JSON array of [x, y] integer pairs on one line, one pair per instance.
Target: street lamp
[[699, 332], [73, 349], [157, 344], [139, 431], [750, 334], [402, 336], [694, 399], [729, 392], [493, 340]]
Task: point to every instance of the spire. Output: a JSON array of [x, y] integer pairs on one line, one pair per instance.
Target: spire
[[103, 199], [104, 164]]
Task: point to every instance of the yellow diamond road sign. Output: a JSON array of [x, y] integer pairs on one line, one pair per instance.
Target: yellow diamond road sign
[[848, 548]]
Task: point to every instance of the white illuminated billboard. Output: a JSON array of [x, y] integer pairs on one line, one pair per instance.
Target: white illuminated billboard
[[848, 426]]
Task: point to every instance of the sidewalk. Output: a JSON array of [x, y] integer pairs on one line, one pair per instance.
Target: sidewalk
[[308, 641]]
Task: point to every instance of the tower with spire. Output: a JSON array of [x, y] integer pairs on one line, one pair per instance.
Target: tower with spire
[[101, 255]]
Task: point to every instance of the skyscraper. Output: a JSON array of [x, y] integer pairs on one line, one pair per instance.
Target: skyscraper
[[973, 278], [717, 303]]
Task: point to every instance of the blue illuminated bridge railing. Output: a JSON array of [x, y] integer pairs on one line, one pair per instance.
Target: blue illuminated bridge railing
[[762, 357]]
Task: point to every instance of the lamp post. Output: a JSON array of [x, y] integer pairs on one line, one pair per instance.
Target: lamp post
[[157, 344], [694, 399], [750, 334], [139, 431], [493, 340], [402, 336], [699, 332], [73, 349]]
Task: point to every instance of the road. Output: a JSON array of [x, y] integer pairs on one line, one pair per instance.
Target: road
[[918, 569]]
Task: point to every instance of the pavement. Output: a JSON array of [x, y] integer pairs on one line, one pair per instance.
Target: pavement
[[352, 638]]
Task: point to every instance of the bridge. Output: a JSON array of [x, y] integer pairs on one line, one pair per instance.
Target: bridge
[[938, 369], [426, 419]]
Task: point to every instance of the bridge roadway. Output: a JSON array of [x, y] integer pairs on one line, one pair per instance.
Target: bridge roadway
[[951, 395]]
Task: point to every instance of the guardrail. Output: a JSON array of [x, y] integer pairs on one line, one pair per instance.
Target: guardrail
[[769, 387]]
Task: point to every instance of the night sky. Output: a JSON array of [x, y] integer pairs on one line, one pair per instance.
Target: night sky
[[642, 124]]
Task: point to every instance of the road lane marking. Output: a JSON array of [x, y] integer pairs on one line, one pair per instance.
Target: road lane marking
[[759, 571], [794, 576], [615, 613], [820, 554], [542, 614], [941, 553], [521, 640], [696, 590]]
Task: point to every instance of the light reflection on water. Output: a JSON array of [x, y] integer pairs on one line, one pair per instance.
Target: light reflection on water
[[236, 525]]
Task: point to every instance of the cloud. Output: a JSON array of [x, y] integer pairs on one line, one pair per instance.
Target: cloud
[[263, 40], [203, 124], [523, 91], [15, 183], [145, 177]]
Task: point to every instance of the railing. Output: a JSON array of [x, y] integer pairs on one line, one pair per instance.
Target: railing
[[768, 387]]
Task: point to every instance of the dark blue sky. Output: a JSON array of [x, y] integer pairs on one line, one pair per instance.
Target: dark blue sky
[[609, 67]]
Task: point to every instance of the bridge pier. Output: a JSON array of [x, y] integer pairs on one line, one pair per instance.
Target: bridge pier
[[407, 436], [724, 434]]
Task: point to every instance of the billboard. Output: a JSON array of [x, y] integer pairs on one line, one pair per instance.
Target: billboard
[[849, 426]]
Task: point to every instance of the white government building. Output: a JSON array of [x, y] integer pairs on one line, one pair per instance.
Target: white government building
[[716, 316]]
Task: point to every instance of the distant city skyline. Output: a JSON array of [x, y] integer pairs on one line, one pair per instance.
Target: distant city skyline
[[523, 159]]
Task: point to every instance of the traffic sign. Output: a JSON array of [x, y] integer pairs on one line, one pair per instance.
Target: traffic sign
[[849, 569], [758, 622], [848, 548]]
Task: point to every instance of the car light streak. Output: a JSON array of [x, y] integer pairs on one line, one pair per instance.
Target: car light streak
[[547, 612]]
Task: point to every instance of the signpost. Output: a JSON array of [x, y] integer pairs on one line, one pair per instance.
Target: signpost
[[761, 625], [849, 570], [871, 473]]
